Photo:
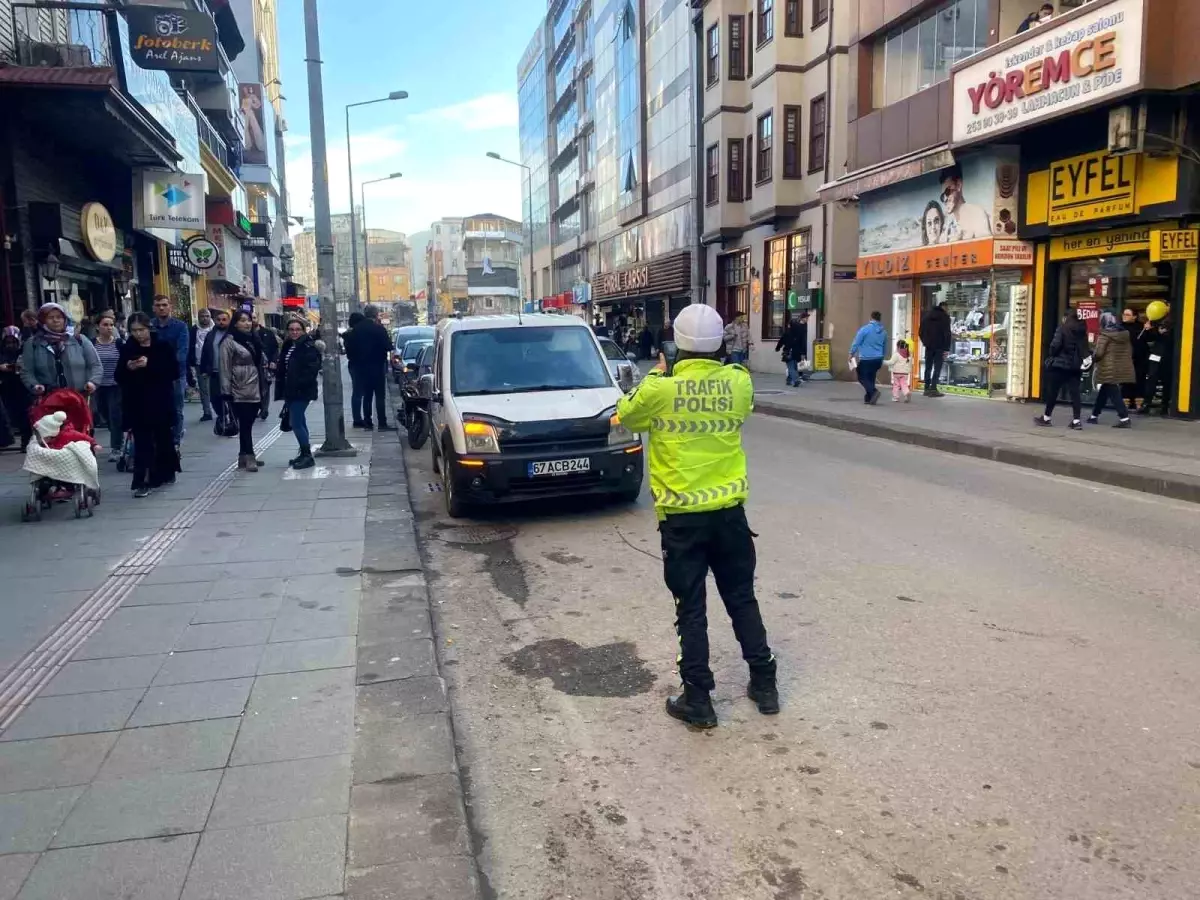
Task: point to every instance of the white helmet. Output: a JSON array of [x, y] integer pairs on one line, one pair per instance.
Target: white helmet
[[699, 329]]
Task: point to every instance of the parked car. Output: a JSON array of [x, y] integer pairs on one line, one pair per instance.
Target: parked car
[[623, 365], [401, 338], [525, 407]]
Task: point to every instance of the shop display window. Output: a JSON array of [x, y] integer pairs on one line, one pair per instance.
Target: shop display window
[[980, 311]]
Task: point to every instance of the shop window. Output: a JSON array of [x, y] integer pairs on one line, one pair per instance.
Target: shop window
[[791, 19], [712, 175], [737, 49], [733, 166], [765, 146], [920, 53], [786, 274], [733, 284], [820, 12], [766, 21], [816, 134], [791, 142], [714, 55]]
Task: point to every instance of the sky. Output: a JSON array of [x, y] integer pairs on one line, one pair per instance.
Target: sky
[[458, 61]]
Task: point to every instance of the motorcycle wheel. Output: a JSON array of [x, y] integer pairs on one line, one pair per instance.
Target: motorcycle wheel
[[418, 430]]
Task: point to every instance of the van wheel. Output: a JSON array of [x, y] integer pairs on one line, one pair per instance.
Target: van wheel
[[433, 452], [454, 506]]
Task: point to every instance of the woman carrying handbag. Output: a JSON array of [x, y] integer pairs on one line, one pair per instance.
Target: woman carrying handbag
[[296, 385]]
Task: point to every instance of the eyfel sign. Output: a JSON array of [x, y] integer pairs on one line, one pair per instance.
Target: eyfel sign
[[1081, 59]]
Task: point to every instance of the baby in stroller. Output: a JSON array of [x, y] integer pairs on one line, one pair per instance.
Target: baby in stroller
[[61, 458]]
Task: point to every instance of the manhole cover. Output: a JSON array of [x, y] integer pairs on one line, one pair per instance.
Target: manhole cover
[[475, 535], [434, 487]]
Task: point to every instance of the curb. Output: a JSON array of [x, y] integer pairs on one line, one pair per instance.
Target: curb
[[409, 830], [1134, 478]]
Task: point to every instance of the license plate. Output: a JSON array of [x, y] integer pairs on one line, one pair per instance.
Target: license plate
[[560, 467]]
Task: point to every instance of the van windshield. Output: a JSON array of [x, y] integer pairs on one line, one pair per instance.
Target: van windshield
[[526, 359]]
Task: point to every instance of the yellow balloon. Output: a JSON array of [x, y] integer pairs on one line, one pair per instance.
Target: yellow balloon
[[1156, 310]]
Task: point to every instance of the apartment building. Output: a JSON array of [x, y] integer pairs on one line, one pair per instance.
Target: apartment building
[[446, 268], [493, 252], [774, 78], [1016, 171]]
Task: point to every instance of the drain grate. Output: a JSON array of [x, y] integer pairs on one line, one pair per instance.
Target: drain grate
[[434, 487], [474, 535]]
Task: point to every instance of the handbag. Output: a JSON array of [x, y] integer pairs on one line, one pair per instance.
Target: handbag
[[285, 420], [226, 425]]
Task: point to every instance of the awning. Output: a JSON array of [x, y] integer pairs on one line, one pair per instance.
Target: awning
[[849, 186]]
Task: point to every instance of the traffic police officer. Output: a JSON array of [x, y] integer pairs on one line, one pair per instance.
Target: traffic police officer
[[694, 416]]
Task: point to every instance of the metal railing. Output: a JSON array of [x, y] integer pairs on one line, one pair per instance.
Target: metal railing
[[208, 134], [60, 36]]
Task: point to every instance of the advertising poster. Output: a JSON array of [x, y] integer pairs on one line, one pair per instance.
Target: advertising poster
[[252, 100]]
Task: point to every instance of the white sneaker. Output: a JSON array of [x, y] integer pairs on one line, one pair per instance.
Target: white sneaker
[[115, 456], [895, 399]]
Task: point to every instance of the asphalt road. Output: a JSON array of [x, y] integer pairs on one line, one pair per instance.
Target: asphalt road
[[989, 677]]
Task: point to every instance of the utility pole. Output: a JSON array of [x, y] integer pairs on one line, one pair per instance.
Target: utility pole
[[331, 372]]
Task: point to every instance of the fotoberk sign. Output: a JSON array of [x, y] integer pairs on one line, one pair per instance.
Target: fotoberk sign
[[163, 37]]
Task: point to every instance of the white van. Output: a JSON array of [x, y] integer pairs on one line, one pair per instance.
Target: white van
[[525, 407]]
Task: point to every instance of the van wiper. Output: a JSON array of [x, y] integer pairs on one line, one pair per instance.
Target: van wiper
[[534, 388]]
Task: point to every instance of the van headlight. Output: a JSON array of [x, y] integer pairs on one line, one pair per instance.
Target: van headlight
[[480, 437], [618, 434]]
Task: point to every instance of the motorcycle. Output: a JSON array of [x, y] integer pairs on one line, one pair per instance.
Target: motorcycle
[[414, 410]]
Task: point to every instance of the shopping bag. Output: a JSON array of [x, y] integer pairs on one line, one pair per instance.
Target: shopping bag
[[853, 363]]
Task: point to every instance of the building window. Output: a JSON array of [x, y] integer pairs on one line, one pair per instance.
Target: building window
[[791, 142], [714, 55], [737, 50], [749, 46], [791, 19], [820, 12], [785, 281], [765, 145], [735, 175], [919, 53], [712, 159], [816, 134], [766, 21], [749, 166], [733, 284]]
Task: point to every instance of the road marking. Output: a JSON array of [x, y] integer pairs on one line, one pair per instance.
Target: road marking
[[25, 680]]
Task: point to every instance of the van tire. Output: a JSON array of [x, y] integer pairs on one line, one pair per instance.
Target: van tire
[[455, 508], [433, 452]]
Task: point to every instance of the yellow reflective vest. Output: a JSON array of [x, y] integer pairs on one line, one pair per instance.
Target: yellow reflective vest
[[694, 420]]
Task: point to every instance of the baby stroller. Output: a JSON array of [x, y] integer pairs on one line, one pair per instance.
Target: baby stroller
[[61, 458]]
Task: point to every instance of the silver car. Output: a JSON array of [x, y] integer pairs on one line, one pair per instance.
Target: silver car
[[623, 366]]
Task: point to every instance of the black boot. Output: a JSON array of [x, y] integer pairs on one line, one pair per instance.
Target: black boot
[[305, 459], [693, 707], [764, 692]]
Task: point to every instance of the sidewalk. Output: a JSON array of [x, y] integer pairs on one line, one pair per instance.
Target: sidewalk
[[233, 694], [1156, 456]]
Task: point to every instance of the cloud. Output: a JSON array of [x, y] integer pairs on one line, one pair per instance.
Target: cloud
[[376, 153], [487, 112]]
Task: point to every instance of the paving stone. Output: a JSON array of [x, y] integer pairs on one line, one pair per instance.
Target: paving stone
[[396, 749], [132, 870], [237, 610], [117, 673], [309, 619], [231, 589], [138, 631], [29, 819], [186, 747], [13, 870], [391, 660], [399, 700], [73, 714], [332, 530], [209, 665], [277, 861], [183, 574], [416, 819], [129, 808], [296, 716], [53, 762], [303, 656], [280, 791], [426, 879], [224, 634], [159, 594], [339, 509], [398, 619], [192, 702]]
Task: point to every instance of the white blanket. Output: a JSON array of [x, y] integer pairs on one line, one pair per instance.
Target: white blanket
[[73, 464]]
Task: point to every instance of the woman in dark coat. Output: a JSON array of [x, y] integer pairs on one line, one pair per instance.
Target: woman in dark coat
[[1064, 368], [146, 371], [296, 376], [13, 394], [1113, 356]]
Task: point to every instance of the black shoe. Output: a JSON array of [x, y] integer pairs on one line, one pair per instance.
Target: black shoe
[[1076, 425], [141, 492], [936, 393], [1041, 420], [1124, 423], [1092, 420], [693, 707], [763, 691], [367, 425], [304, 462], [207, 417], [357, 423], [384, 426], [875, 397]]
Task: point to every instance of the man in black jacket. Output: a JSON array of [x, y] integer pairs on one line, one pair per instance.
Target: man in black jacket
[[372, 349], [937, 338], [350, 351]]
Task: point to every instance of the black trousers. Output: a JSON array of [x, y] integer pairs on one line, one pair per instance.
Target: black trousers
[[867, 370], [154, 458], [374, 385], [1056, 380], [933, 369], [356, 395], [1110, 394], [1158, 374], [246, 414], [721, 542], [214, 393]]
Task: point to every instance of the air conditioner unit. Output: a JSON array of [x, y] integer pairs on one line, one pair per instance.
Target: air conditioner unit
[[1124, 134]]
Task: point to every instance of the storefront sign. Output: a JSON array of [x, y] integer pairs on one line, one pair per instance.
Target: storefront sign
[[975, 199], [1007, 252], [629, 281], [1101, 243], [201, 252], [852, 186], [99, 233], [1092, 186], [178, 259], [1078, 60], [821, 356], [229, 256], [172, 39], [1172, 245], [928, 260], [172, 200], [242, 221]]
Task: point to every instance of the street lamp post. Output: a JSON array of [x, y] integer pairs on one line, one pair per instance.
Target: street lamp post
[[394, 95], [331, 372], [366, 238], [529, 190]]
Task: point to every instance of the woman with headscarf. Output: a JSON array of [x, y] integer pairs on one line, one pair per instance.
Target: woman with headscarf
[[106, 402], [1064, 368], [296, 385], [13, 394], [242, 383], [146, 372], [1113, 355], [53, 359]]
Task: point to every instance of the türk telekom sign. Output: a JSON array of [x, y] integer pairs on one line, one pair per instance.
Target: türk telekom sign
[[1090, 56]]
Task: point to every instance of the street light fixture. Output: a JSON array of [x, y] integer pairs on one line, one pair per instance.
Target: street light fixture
[[529, 184], [366, 240], [394, 95]]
